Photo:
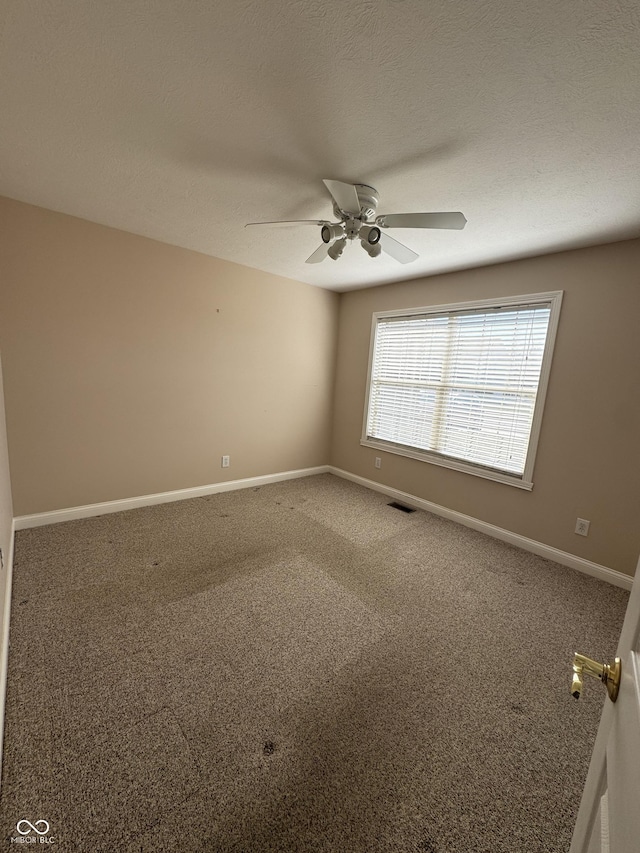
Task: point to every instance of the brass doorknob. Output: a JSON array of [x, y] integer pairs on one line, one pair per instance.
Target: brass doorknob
[[608, 674]]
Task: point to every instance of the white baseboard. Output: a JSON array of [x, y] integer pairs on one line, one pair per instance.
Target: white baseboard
[[22, 522], [4, 640], [563, 557]]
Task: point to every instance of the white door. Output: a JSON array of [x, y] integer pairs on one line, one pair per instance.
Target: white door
[[609, 815]]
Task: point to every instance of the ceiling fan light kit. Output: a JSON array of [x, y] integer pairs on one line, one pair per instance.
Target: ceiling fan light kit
[[330, 233], [355, 206], [336, 249], [370, 240], [372, 251], [370, 233]]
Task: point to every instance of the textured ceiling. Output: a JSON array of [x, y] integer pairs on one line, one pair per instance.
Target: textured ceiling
[[184, 120]]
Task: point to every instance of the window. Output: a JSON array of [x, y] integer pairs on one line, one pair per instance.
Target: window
[[463, 385]]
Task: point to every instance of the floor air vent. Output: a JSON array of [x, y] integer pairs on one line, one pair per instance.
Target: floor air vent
[[401, 507]]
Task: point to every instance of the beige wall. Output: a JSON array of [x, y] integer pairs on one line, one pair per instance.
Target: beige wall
[[6, 532], [132, 366], [588, 461], [6, 515]]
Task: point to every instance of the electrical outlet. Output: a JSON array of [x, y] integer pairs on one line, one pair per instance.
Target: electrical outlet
[[378, 462], [226, 461], [582, 526]]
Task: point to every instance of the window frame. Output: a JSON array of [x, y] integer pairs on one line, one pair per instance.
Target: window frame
[[524, 481]]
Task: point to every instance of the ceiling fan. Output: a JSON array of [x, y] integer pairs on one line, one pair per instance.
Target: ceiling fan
[[354, 205]]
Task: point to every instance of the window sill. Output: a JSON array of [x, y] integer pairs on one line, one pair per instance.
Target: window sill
[[444, 462]]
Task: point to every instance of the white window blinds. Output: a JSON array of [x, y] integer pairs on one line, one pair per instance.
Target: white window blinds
[[460, 384]]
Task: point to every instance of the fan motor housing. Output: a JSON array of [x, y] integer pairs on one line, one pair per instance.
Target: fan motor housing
[[368, 199]]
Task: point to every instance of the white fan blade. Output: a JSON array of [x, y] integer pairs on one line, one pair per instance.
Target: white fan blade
[[285, 222], [454, 220], [344, 195], [397, 250], [319, 255]]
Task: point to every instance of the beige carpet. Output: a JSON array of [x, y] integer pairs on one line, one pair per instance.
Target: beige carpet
[[297, 668]]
